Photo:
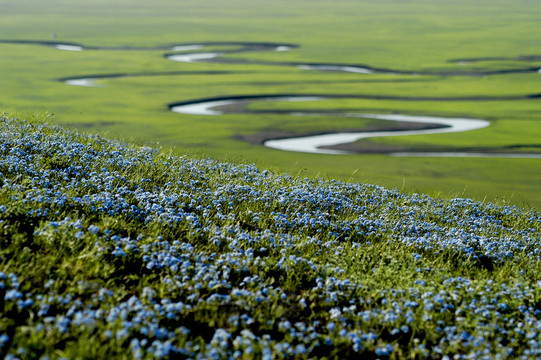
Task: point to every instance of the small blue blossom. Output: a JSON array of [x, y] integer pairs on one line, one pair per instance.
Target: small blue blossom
[[3, 340], [169, 251]]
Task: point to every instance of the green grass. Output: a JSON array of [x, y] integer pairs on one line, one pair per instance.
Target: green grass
[[414, 36], [117, 251]]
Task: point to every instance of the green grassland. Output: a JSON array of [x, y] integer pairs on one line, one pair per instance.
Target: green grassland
[[410, 36]]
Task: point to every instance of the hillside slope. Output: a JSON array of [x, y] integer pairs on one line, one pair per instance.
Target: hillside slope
[[112, 251]]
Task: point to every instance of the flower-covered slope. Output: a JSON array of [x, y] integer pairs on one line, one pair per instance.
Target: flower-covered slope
[[109, 250]]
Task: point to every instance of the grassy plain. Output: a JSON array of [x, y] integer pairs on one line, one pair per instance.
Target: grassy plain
[[411, 36]]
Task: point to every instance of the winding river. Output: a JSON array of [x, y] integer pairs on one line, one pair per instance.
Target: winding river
[[317, 143], [321, 143]]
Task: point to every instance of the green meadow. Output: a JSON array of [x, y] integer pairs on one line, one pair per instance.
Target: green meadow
[[429, 38]]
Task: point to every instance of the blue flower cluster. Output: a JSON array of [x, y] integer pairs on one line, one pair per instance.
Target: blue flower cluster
[[213, 260]]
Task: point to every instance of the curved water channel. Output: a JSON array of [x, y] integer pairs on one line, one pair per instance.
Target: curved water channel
[[322, 143], [177, 52], [317, 143]]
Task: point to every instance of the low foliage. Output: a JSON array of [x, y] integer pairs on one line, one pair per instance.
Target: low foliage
[[114, 251]]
